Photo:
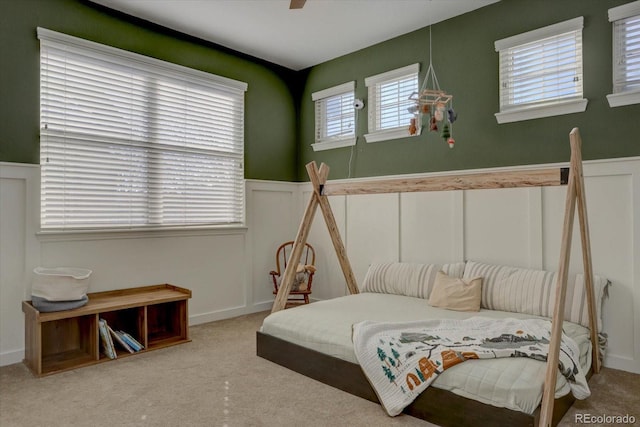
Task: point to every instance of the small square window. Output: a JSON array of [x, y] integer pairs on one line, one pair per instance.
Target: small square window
[[626, 54], [335, 117], [541, 72], [389, 103]]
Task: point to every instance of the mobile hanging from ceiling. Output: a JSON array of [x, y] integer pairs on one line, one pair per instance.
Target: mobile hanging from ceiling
[[433, 102]]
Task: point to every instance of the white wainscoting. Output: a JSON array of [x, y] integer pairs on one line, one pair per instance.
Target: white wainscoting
[[228, 270], [520, 227], [273, 213], [19, 253]]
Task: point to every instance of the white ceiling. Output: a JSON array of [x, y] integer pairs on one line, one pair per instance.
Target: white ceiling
[[296, 39]]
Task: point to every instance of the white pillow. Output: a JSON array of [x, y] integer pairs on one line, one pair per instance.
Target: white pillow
[[408, 279], [576, 308], [514, 289], [533, 292]]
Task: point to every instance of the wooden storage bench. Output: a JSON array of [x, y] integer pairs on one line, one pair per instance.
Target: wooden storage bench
[[157, 316]]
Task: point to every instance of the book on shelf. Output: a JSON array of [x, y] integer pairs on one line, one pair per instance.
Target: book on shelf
[[116, 337], [107, 342], [133, 343]]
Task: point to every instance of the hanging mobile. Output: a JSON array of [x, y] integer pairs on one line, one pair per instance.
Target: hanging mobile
[[432, 100]]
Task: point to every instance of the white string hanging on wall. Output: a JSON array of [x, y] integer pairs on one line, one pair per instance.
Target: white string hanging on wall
[[435, 103]]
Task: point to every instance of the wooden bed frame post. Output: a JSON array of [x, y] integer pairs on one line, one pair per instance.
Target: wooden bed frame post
[[330, 221], [586, 260], [575, 194], [318, 179], [296, 252]]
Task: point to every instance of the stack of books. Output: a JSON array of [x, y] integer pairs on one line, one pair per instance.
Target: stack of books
[[125, 340]]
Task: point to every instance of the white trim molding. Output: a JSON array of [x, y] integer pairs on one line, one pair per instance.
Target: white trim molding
[[385, 135], [623, 98], [540, 33], [335, 90], [624, 11], [331, 144], [540, 111]]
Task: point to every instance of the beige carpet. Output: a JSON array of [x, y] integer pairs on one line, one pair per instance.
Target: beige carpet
[[217, 380]]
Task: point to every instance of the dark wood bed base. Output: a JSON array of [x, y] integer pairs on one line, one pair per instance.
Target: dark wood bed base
[[437, 406]]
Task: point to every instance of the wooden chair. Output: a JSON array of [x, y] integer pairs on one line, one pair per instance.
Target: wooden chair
[[301, 288]]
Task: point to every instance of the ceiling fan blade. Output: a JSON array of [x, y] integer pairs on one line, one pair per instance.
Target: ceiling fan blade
[[297, 4]]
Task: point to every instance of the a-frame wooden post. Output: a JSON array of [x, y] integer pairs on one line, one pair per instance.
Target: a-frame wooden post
[[330, 221], [575, 194], [318, 179]]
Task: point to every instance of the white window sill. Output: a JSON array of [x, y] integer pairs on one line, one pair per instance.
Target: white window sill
[[331, 144], [134, 233], [624, 98], [386, 135], [537, 112]]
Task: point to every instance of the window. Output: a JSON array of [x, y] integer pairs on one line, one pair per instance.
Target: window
[[626, 54], [129, 141], [541, 72], [335, 117], [389, 103]]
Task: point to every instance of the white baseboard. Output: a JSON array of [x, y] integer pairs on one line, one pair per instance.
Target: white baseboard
[[622, 363], [229, 313], [11, 357]]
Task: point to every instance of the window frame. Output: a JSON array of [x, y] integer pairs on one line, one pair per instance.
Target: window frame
[[619, 98], [375, 133], [173, 73], [323, 142], [539, 109]]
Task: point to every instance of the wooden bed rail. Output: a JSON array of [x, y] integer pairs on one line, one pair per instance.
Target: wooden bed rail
[[505, 179], [572, 177]]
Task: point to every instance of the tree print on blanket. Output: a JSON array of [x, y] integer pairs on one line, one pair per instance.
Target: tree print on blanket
[[402, 359]]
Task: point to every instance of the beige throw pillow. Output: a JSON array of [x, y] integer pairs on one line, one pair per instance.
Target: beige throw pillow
[[457, 294]]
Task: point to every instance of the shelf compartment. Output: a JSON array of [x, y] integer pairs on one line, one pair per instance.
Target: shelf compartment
[[68, 342], [129, 320], [165, 325], [71, 359]]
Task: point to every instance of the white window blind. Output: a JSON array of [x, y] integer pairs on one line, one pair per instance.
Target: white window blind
[[334, 116], [542, 68], [389, 103], [626, 71], [129, 141], [626, 54]]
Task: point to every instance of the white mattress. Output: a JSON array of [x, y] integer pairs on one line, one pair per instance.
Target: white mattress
[[514, 383]]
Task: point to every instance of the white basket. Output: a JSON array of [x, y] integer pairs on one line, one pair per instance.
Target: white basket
[[60, 283]]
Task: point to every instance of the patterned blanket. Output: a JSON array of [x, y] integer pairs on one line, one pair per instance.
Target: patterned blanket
[[402, 359]]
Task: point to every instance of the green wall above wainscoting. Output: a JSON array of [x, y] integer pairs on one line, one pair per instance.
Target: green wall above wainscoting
[[270, 109], [279, 122], [466, 65]]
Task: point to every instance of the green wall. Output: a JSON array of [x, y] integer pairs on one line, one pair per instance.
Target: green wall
[[466, 65], [271, 111], [279, 125]]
